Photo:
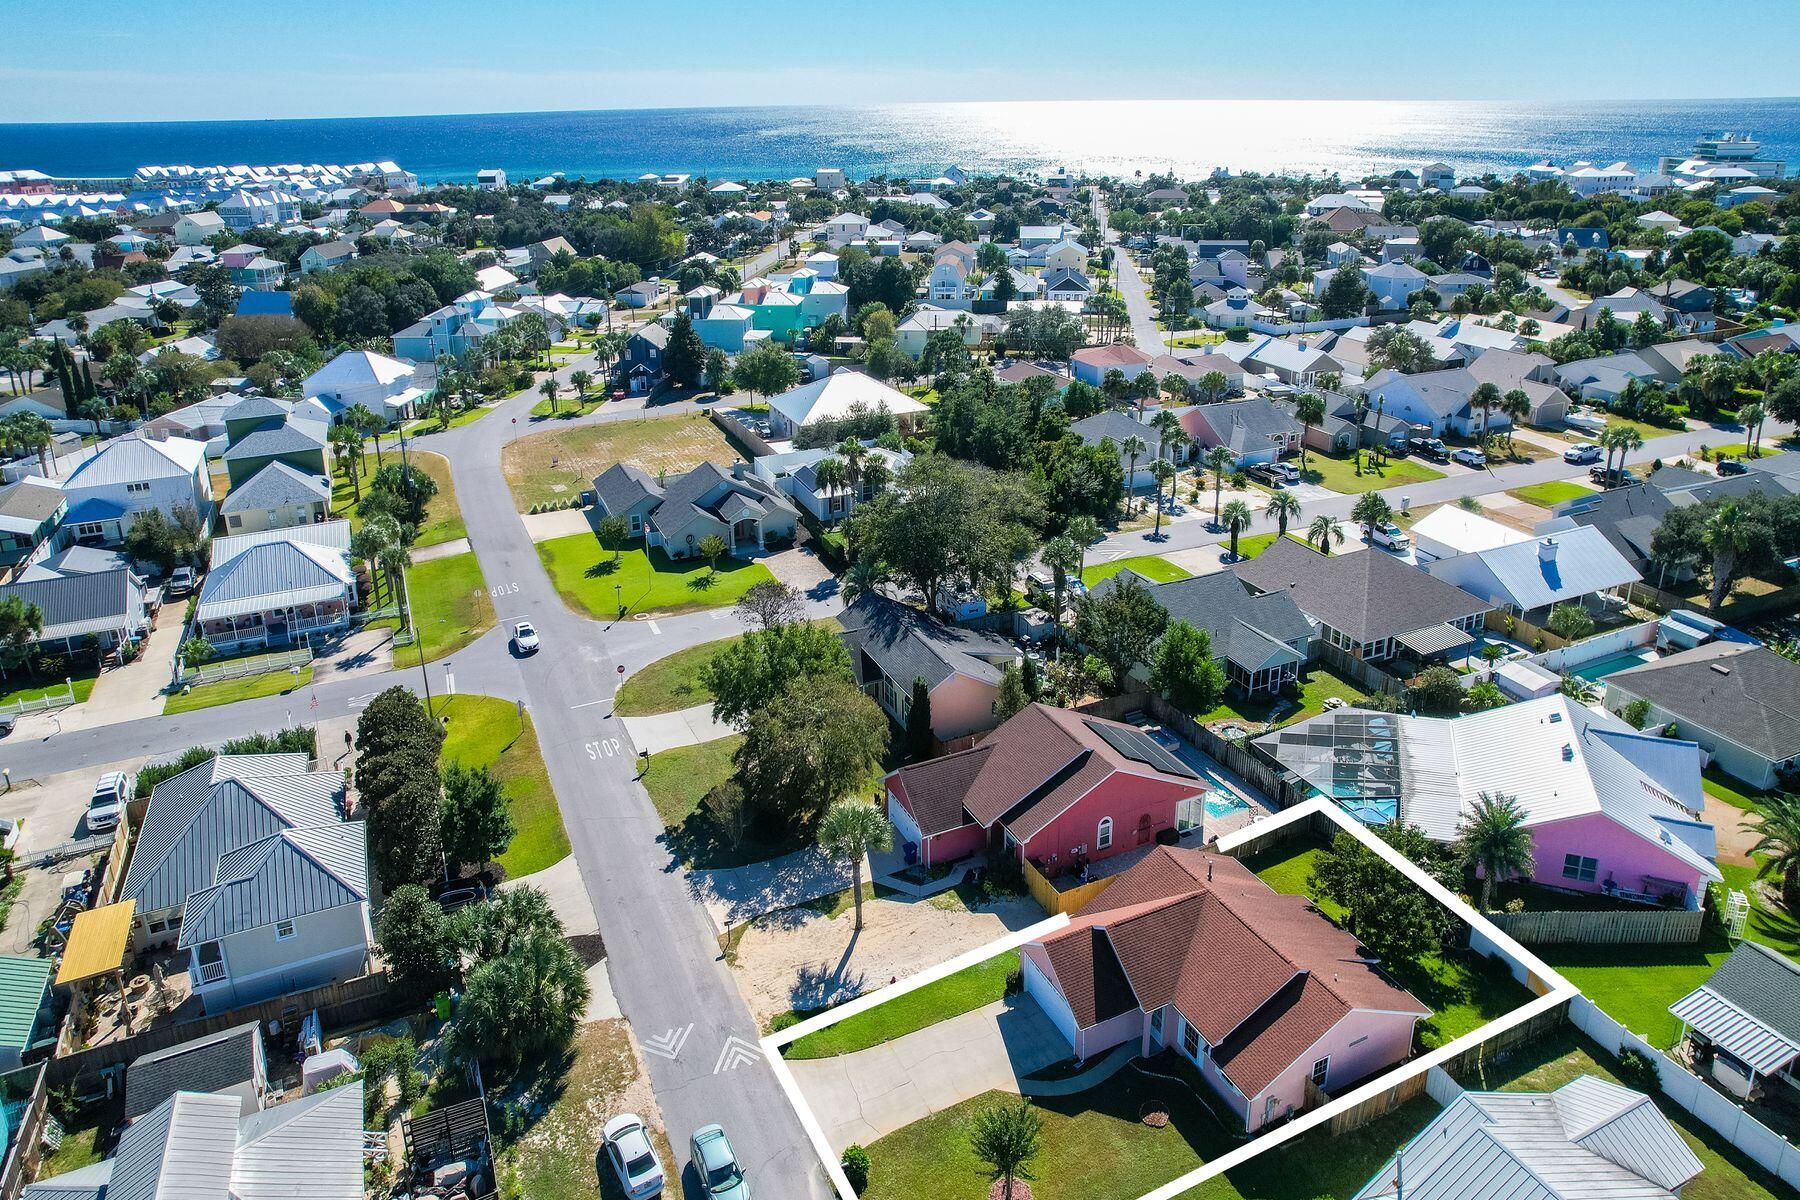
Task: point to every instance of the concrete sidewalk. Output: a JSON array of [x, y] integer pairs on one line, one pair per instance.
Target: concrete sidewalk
[[862, 1096], [666, 731]]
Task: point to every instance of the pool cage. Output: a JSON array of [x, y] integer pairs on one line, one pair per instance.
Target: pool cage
[[1353, 757]]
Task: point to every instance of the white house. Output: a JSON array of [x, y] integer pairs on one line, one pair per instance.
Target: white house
[[132, 475], [837, 396], [387, 387], [845, 228], [1527, 578], [491, 179]]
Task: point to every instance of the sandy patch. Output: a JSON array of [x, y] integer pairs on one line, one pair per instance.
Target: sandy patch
[[1728, 827], [800, 959]]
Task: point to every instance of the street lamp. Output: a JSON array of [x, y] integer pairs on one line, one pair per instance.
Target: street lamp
[[619, 598]]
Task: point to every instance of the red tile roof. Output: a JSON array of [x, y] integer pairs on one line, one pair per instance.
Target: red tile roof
[[1261, 975]]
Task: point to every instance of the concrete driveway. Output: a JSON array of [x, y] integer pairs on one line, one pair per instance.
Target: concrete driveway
[[862, 1096]]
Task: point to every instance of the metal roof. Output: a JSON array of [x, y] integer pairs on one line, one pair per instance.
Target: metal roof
[[1435, 639], [272, 575], [23, 982], [289, 875], [75, 605], [1735, 1031]]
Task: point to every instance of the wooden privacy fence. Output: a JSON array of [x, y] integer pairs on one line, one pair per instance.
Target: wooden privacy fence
[[1053, 901], [1375, 1107], [1625, 927], [1280, 785]]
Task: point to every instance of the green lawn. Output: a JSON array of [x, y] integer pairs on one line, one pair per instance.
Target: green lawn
[[443, 519], [1095, 1145], [1255, 544], [566, 407], [1320, 1165], [484, 731], [230, 691], [450, 606], [467, 416], [1734, 792], [596, 580], [1151, 566], [1463, 995], [669, 684], [37, 689], [1320, 684], [965, 991], [1549, 495], [677, 781], [1339, 474]]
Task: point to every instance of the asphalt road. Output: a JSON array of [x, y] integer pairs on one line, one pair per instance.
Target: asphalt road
[[1144, 329]]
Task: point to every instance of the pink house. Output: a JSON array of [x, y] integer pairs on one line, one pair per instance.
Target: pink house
[[1057, 787], [1188, 951], [893, 645]]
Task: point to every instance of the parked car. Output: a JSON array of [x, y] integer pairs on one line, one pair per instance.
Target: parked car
[[717, 1164], [1428, 447], [1390, 536], [1469, 456], [181, 582], [1611, 477], [1277, 474], [106, 807], [1582, 452], [626, 1146], [7, 721], [1732, 466], [525, 637]]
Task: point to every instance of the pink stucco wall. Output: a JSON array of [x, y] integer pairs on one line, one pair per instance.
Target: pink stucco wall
[[1387, 1042], [961, 706], [1127, 799], [944, 847], [1622, 854]]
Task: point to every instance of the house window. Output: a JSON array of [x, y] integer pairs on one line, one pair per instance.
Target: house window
[[137, 488], [637, 523], [1320, 1070], [1190, 1041], [284, 930], [1103, 838], [1580, 868], [234, 520], [1156, 1024]]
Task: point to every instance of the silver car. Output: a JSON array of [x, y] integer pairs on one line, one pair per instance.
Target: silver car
[[717, 1165], [627, 1148]]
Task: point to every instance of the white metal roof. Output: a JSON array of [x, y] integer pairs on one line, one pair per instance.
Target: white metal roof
[[1736, 1031]]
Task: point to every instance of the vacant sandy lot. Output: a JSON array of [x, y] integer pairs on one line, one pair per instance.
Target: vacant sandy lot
[[558, 465]]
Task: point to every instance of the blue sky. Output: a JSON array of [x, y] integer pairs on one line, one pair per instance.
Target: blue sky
[[209, 59]]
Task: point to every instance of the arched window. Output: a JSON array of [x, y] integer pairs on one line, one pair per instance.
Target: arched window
[[1103, 839]]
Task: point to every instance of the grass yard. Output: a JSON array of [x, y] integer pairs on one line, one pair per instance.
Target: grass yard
[[467, 416], [443, 519], [566, 407], [550, 467], [230, 691], [669, 684], [595, 580], [1462, 994], [965, 991], [1095, 1144], [37, 689], [1549, 495], [1339, 474], [554, 1158], [1548, 1064], [1320, 1164], [677, 781], [485, 731], [450, 605], [1320, 684], [1250, 547], [1153, 567], [1721, 786]]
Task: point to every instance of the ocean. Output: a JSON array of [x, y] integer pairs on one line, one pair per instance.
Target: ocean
[[1189, 138]]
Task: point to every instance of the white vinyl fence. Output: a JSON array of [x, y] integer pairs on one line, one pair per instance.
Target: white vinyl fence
[[242, 668], [1719, 1112], [46, 703]]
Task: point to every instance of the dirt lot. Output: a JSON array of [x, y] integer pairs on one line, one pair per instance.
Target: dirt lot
[[554, 467], [799, 959]]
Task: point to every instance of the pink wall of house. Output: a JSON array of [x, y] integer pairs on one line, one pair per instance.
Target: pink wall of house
[[1622, 854], [944, 847], [1360, 1045], [1128, 800], [961, 706]]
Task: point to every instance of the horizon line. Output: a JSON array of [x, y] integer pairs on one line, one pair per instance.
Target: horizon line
[[871, 105]]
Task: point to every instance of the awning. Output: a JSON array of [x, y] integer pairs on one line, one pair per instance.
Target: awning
[[1435, 639], [1735, 1031], [97, 942]]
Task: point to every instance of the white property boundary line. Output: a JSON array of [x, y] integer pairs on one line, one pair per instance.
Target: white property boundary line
[[1559, 991]]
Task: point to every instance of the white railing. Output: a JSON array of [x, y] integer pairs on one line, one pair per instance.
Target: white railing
[[212, 972], [243, 668], [45, 703]]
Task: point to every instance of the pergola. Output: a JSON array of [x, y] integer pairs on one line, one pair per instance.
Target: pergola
[[98, 942]]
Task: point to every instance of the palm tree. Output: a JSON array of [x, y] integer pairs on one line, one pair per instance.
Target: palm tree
[[1323, 531], [1219, 460], [550, 388], [864, 578], [1284, 507], [1084, 531], [581, 381], [1778, 845], [1371, 510], [1752, 416], [1236, 519], [1063, 557], [1006, 1136], [1517, 406], [711, 547], [1727, 535], [362, 419], [1309, 410], [829, 474], [1161, 471], [850, 830], [1133, 447], [1486, 397], [376, 543], [1212, 385], [346, 448], [854, 453], [21, 624], [1494, 840]]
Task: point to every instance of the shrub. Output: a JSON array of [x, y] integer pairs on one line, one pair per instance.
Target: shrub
[[1637, 713], [856, 1167], [1015, 981], [1636, 1071], [786, 1020]]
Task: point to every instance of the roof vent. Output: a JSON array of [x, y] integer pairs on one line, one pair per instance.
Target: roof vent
[[1547, 550], [1568, 753], [1556, 718], [1721, 668]]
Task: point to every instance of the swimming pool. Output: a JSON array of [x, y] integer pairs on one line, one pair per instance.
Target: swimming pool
[[1221, 804], [1594, 672]]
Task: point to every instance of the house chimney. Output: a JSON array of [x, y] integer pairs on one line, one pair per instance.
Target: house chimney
[[1547, 550], [1209, 868]]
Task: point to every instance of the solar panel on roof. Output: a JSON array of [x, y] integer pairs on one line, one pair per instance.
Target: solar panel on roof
[[1139, 747]]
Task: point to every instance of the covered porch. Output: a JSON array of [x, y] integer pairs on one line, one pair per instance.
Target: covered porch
[[277, 628]]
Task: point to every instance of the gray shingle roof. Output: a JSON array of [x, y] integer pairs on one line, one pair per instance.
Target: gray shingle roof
[[907, 644], [1249, 425], [274, 486], [206, 1064], [621, 486], [266, 443], [1744, 693], [1247, 627], [1367, 594]]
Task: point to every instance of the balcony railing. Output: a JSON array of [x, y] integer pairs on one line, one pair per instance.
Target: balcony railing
[[213, 972]]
